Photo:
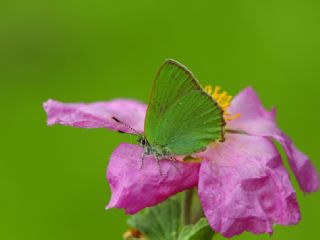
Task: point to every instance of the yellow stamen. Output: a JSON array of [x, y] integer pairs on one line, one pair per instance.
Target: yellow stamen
[[223, 100], [216, 92], [232, 117], [208, 89]]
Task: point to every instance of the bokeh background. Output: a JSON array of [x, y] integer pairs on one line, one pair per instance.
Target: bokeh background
[[52, 180]]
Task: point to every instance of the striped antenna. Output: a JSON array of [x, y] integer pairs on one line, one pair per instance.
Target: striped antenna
[[127, 126]]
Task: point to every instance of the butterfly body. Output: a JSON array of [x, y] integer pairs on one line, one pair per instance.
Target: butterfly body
[[154, 150]]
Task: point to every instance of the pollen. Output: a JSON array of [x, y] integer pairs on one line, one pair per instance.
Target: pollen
[[223, 99]]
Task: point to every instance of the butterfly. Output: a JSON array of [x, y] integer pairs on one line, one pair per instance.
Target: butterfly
[[182, 118]]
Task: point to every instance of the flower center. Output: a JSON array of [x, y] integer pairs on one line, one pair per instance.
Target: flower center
[[223, 100]]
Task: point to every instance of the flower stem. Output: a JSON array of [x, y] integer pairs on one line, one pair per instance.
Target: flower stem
[[199, 214], [187, 206]]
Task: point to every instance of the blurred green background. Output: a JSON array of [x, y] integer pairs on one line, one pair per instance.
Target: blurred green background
[[52, 180]]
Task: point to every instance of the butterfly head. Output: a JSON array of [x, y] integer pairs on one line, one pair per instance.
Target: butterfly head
[[143, 142], [152, 149]]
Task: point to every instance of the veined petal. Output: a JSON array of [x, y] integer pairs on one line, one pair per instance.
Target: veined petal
[[255, 120], [243, 186], [134, 189], [97, 115]]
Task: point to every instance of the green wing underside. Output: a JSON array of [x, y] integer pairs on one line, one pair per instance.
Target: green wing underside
[[181, 117]]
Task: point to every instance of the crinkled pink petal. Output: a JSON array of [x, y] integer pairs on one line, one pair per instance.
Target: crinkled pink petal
[[255, 120], [97, 115], [243, 186], [134, 189]]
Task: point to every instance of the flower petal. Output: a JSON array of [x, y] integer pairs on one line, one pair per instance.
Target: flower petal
[[134, 189], [243, 186], [97, 115], [255, 120]]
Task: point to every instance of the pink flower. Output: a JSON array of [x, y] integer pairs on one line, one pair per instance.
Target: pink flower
[[242, 183]]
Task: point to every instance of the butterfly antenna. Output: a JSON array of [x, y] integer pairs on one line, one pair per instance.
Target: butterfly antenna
[[127, 126]]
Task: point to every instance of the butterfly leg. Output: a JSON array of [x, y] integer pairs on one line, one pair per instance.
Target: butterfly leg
[[142, 160], [173, 162], [158, 163]]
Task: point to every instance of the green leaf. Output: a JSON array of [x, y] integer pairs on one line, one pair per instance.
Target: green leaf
[[161, 222], [199, 231]]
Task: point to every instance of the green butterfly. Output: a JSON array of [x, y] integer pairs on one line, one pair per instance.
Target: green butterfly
[[181, 118]]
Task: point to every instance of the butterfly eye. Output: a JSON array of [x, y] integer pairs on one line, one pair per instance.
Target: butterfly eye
[[142, 141]]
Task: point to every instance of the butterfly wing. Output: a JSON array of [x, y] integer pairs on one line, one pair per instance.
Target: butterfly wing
[[181, 117]]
